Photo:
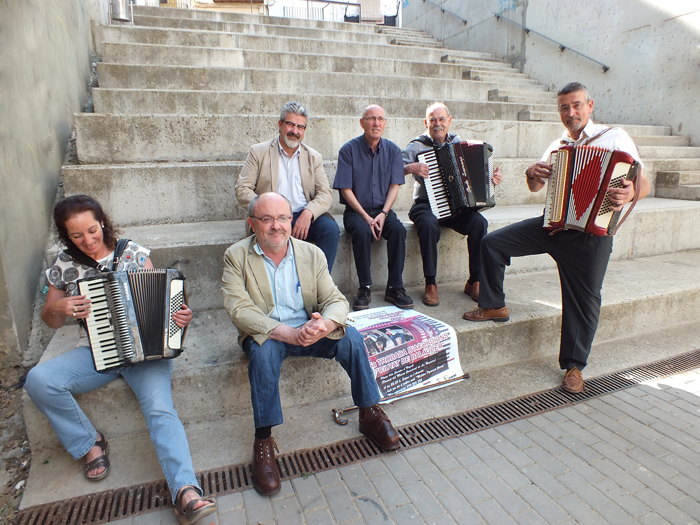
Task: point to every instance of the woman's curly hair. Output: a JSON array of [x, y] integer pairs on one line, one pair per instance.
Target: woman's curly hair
[[71, 206]]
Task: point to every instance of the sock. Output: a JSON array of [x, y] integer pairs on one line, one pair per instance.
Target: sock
[[263, 432]]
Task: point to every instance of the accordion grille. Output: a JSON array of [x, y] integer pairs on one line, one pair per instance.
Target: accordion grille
[[150, 314]]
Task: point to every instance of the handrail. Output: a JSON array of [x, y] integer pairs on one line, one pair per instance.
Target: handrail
[[327, 2], [446, 11], [562, 47]]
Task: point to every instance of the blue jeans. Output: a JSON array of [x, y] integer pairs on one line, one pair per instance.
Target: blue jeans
[[324, 233], [52, 385], [266, 363]]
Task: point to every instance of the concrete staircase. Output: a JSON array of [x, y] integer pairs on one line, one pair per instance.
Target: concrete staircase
[[183, 95]]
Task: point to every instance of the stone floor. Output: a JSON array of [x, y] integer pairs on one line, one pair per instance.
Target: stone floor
[[627, 457]]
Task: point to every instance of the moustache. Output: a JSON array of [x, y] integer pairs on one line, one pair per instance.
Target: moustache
[[438, 128], [291, 134]]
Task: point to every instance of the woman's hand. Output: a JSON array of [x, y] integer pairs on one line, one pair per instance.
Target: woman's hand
[[58, 307]]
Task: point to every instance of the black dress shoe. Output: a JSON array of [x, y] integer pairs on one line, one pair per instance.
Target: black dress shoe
[[398, 297], [266, 478], [364, 297], [375, 425]]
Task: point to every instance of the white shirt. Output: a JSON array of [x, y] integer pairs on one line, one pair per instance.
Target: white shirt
[[615, 139], [289, 179]]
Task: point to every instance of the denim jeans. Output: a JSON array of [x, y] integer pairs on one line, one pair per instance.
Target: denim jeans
[[52, 385], [266, 363], [324, 233]]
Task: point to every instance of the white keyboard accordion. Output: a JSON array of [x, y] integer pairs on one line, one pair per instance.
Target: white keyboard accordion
[[132, 316], [460, 178], [577, 190]]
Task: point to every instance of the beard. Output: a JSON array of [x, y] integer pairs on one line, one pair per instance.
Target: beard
[[574, 124], [291, 140]]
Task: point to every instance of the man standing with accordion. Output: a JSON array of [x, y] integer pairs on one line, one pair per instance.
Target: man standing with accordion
[[581, 258], [469, 222]]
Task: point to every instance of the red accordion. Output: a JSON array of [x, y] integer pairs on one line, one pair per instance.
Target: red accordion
[[577, 192]]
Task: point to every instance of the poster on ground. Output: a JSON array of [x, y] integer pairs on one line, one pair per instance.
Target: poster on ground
[[407, 349]]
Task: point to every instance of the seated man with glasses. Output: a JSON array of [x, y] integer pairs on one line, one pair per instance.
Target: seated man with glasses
[[470, 223], [369, 172], [291, 168], [283, 302]]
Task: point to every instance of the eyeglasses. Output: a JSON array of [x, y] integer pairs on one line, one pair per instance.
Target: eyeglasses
[[373, 118], [576, 107], [267, 221], [441, 120], [292, 125]]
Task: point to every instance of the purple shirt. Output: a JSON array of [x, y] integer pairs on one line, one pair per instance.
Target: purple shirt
[[368, 174]]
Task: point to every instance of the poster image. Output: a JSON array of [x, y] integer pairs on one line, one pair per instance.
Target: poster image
[[407, 349]]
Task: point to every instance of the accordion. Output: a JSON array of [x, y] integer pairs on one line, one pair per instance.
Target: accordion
[[460, 178], [131, 319], [577, 191]]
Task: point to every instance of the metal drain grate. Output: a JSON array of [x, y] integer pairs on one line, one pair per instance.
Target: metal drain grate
[[139, 499]]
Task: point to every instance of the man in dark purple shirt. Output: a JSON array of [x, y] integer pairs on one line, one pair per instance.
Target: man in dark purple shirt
[[370, 169]]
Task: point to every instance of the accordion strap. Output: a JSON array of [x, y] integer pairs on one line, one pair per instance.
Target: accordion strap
[[79, 256]]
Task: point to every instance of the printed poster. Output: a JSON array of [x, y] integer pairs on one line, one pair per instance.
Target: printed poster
[[407, 349]]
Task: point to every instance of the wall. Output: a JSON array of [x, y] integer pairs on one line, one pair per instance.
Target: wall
[[44, 71], [651, 46]]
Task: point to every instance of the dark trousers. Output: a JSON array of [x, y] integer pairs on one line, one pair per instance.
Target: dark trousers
[[470, 223], [395, 235], [324, 233], [581, 260]]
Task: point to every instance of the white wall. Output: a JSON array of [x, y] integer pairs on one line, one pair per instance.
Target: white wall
[[651, 46]]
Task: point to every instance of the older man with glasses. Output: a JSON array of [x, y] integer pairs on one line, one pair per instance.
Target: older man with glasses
[[369, 172], [283, 302], [291, 168]]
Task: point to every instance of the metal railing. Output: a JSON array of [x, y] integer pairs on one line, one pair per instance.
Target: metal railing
[[562, 47], [446, 11], [353, 18]]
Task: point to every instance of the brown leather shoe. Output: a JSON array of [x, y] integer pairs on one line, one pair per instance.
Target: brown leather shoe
[[498, 315], [573, 381], [266, 478], [376, 427], [472, 290], [430, 297]]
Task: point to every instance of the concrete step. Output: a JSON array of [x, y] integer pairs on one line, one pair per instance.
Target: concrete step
[[539, 116], [674, 179], [110, 139], [490, 63], [657, 226], [157, 55], [663, 140], [689, 192], [367, 36], [204, 191], [326, 42], [417, 42], [274, 81], [669, 151], [463, 54], [484, 72], [200, 14], [517, 81], [138, 101], [511, 95], [657, 316]]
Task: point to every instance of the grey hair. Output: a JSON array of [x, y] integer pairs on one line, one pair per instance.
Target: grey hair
[[295, 108], [254, 202], [572, 87], [432, 107]]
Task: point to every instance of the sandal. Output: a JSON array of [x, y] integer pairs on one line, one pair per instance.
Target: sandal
[[100, 461], [189, 514]]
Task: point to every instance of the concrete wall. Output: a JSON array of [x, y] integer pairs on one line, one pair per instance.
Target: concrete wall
[[651, 47], [44, 71]]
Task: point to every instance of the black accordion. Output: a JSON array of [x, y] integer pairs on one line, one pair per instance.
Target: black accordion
[[461, 178], [132, 316]]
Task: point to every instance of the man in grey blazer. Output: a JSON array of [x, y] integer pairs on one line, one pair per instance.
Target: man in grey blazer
[[303, 314], [286, 166]]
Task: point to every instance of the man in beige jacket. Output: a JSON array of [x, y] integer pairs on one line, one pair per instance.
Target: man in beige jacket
[[293, 169], [303, 314]]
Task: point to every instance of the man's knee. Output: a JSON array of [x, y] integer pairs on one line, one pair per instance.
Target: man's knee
[[325, 227], [268, 355]]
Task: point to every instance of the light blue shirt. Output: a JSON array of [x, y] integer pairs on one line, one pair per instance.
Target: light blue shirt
[[286, 289], [289, 178]]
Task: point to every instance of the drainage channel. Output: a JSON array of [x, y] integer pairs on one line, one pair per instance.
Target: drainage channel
[[131, 501]]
